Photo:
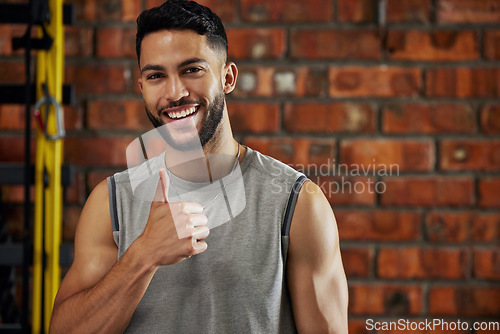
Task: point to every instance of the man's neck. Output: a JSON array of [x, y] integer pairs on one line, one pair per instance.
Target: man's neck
[[212, 162]]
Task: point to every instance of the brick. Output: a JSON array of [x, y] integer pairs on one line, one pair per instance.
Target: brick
[[225, 9], [96, 151], [266, 81], [385, 299], [428, 118], [379, 81], [7, 33], [464, 301], [335, 44], [15, 194], [73, 117], [433, 191], [85, 10], [423, 263], [441, 45], [130, 10], [118, 10], [14, 220], [329, 117], [487, 263], [356, 326], [378, 225], [462, 226], [12, 148], [409, 11], [489, 192], [386, 157], [357, 261], [470, 155], [12, 117], [286, 11], [492, 45], [356, 10], [347, 190], [13, 72], [309, 81], [463, 82], [5, 40], [490, 119], [300, 153], [256, 43], [75, 193], [116, 42], [78, 41], [468, 11], [98, 79], [69, 222], [117, 115], [94, 177], [107, 11], [254, 117]]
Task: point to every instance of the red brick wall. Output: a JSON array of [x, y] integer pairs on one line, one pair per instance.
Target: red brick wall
[[322, 83]]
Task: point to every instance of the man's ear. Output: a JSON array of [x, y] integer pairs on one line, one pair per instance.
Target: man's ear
[[139, 81], [230, 72]]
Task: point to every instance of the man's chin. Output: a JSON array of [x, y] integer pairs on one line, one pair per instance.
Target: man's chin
[[184, 144]]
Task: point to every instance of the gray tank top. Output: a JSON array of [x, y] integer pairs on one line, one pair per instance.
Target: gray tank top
[[238, 284]]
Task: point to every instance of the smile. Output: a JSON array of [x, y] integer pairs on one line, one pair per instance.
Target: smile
[[181, 113]]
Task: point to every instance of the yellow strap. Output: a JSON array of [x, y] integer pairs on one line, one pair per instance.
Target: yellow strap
[[49, 157]]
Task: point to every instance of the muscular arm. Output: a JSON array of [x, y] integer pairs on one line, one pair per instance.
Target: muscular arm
[[315, 275], [99, 294]]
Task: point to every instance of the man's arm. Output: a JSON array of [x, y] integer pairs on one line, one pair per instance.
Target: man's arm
[[99, 293], [315, 274]]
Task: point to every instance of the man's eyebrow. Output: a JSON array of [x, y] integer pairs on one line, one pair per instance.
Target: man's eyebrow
[[186, 62], [152, 68], [192, 61]]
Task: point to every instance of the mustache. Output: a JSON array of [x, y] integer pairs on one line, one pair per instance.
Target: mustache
[[179, 103]]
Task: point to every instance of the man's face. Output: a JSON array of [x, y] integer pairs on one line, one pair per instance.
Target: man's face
[[182, 86]]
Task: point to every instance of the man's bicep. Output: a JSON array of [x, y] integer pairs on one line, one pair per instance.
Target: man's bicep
[[95, 250], [315, 275]]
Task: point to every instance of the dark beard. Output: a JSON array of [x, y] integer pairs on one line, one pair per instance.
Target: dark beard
[[206, 133]]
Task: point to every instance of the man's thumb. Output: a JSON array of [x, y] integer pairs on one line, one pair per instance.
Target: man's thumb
[[164, 181]]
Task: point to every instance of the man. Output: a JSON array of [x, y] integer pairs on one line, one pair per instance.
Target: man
[[144, 265]]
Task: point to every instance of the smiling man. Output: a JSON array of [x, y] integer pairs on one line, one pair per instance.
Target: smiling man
[[142, 263]]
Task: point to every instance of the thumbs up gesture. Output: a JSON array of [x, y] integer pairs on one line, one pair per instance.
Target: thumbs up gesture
[[174, 231]]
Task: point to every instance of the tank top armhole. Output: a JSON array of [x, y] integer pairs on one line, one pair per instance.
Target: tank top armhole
[[113, 211], [292, 200]]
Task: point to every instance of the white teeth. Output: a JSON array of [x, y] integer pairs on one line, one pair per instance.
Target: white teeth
[[181, 114]]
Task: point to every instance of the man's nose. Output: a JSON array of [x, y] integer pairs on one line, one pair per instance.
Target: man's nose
[[175, 89]]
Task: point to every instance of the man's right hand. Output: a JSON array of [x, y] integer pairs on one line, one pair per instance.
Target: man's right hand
[[174, 231]]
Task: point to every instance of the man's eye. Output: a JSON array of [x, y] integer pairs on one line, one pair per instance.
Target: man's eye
[[154, 76], [192, 70]]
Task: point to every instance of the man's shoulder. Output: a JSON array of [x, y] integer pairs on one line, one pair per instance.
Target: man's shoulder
[[137, 181], [140, 171], [270, 167]]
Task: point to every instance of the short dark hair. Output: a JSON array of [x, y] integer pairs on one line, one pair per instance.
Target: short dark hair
[[181, 15]]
